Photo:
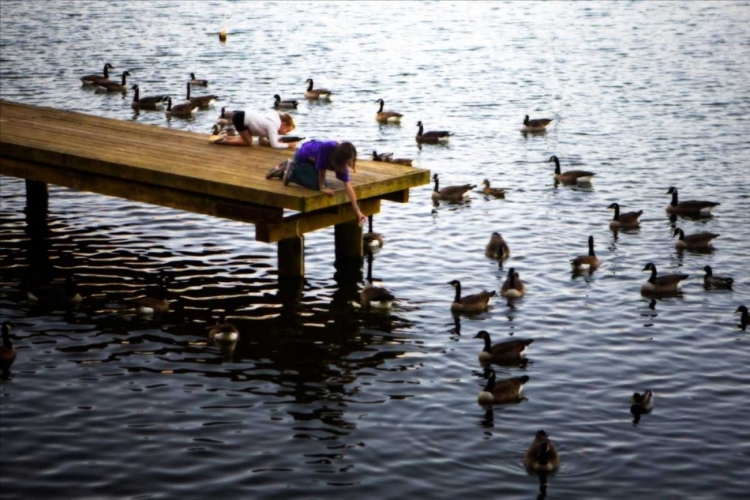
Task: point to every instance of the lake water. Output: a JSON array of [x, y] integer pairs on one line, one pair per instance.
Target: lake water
[[321, 401]]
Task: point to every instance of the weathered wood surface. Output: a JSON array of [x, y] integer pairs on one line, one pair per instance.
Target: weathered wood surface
[[181, 169]]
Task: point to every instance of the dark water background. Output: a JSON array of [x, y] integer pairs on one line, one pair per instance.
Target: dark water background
[[321, 401]]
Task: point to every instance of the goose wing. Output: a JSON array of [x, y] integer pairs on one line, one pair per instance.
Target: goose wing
[[700, 238]]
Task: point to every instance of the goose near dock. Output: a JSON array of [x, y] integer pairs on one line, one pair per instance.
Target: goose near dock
[[502, 391], [432, 136], [542, 454], [96, 79], [508, 350], [476, 302], [387, 116]]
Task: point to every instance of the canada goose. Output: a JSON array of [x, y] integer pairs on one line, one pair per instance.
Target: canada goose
[[490, 191], [7, 353], [433, 136], [513, 287], [387, 116], [110, 86], [711, 281], [669, 283], [184, 109], [542, 454], [223, 331], [571, 176], [586, 261], [196, 82], [497, 248], [503, 391], [150, 103], [381, 156], [157, 303], [697, 241], [372, 296], [316, 93], [644, 402], [69, 295], [627, 220], [95, 79], [218, 129], [372, 239], [691, 208], [450, 193], [203, 101], [288, 104], [471, 303], [744, 318], [536, 125], [509, 350]]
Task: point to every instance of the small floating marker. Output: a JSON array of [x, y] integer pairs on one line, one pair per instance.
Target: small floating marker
[[167, 372], [223, 33]]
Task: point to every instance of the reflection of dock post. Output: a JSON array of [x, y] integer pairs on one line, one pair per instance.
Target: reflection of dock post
[[291, 257], [37, 204], [37, 228]]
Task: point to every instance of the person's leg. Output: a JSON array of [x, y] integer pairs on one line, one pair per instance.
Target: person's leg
[[244, 139], [302, 172]]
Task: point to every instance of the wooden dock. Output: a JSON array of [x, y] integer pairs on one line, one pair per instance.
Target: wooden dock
[[183, 170]]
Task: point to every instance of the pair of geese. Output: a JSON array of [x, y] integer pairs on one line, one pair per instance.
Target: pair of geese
[[458, 194], [186, 108]]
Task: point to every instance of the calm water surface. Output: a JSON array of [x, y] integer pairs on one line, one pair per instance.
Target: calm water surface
[[317, 400]]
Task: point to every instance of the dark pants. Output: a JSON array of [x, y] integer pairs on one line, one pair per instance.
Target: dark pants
[[305, 174]]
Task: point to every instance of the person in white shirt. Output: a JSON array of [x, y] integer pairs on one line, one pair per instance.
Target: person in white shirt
[[267, 127]]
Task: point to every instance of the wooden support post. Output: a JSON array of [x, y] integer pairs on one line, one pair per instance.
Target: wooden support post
[[291, 257], [348, 241], [37, 197]]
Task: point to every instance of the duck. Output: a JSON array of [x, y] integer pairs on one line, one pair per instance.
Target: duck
[[158, 303], [110, 86], [401, 161], [223, 331], [490, 191], [571, 176], [509, 350], [387, 116], [372, 239], [497, 248], [203, 101], [287, 104], [385, 157], [542, 455], [503, 391], [513, 287], [744, 316], [712, 281], [691, 208], [450, 193], [697, 241], [628, 220], [589, 261], [433, 136], [198, 83], [184, 109], [95, 79], [644, 402], [311, 93], [535, 125], [477, 302], [218, 129], [7, 352], [669, 283], [149, 103]]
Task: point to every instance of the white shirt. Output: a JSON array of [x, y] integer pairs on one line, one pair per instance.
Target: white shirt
[[265, 126]]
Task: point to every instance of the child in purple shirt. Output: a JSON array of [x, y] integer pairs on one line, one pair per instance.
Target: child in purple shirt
[[314, 158]]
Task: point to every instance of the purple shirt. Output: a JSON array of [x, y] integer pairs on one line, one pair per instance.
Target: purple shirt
[[320, 153]]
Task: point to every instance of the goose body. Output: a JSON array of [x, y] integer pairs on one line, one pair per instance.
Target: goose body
[[381, 156], [669, 283], [375, 296], [698, 241], [314, 94], [96, 79], [198, 83], [690, 208], [432, 136], [490, 191], [712, 281], [536, 125], [184, 109], [509, 350], [287, 104], [644, 402], [148, 103], [586, 262], [202, 101], [371, 239], [571, 176], [110, 86], [542, 455], [627, 220], [497, 248], [450, 193], [7, 352], [387, 116], [742, 310], [502, 391], [223, 331], [157, 303], [67, 296], [477, 302], [513, 287]]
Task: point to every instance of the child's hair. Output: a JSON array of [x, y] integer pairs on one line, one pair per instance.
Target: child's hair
[[287, 120], [344, 153]]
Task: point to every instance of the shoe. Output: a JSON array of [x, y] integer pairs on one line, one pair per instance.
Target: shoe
[[288, 172], [218, 138], [278, 171]]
